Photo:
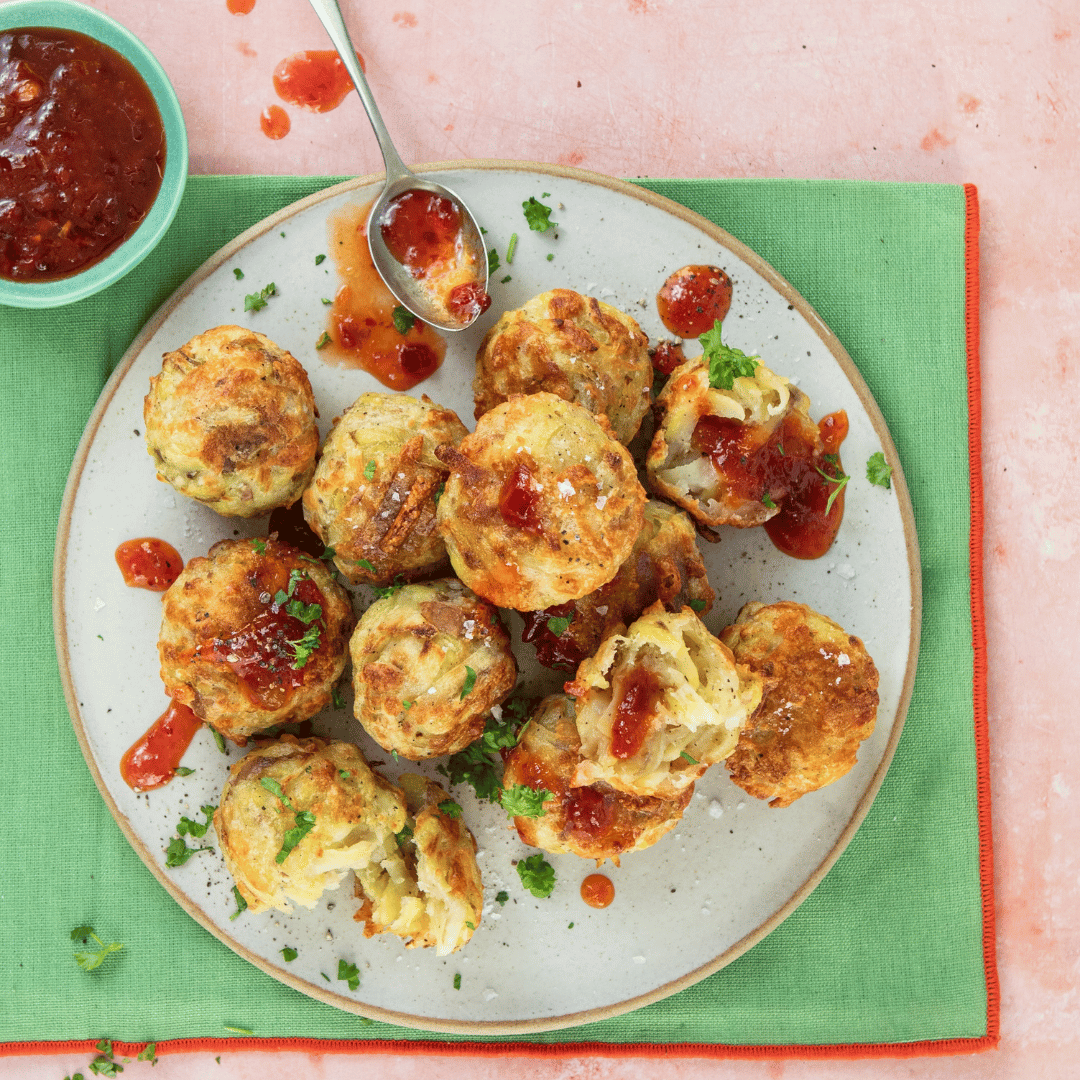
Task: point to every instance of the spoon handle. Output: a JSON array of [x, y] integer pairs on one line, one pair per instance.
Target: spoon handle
[[330, 16]]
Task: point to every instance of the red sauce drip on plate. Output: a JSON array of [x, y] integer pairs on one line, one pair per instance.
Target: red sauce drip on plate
[[597, 891], [807, 525], [519, 500], [361, 331], [693, 298], [148, 563], [240, 7], [314, 80], [666, 357], [152, 760], [263, 653], [640, 692], [274, 122], [82, 152], [562, 652]]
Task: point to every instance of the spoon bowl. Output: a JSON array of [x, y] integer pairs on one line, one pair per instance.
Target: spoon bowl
[[406, 288]]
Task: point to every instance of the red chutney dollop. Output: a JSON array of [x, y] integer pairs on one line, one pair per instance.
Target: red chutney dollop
[[597, 890], [82, 152], [692, 298], [559, 651], [519, 500], [269, 654], [641, 691], [148, 563], [154, 758], [804, 479], [361, 331]]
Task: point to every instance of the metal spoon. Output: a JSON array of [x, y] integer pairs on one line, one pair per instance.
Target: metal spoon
[[399, 179]]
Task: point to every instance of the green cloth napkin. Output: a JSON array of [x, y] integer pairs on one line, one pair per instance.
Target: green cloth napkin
[[889, 948]]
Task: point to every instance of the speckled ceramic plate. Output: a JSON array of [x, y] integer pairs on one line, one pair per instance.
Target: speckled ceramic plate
[[733, 868]]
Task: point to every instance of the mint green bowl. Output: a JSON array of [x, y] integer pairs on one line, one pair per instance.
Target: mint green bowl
[[68, 15]]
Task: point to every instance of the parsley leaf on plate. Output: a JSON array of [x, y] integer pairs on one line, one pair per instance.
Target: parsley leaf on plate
[[537, 215], [257, 301], [537, 875], [878, 471]]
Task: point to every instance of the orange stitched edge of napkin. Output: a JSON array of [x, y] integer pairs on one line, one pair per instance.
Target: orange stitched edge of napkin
[[925, 1048]]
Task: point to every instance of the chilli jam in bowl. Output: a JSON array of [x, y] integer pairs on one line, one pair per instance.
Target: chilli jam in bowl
[[93, 152]]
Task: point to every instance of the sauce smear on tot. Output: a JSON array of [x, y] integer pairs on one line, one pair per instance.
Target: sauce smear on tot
[[641, 690], [314, 80], [148, 563], [269, 654], [423, 231], [154, 758], [692, 298], [361, 331], [519, 500], [559, 651], [82, 152], [597, 890], [790, 469]]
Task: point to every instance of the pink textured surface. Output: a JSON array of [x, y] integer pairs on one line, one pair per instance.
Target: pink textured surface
[[949, 91]]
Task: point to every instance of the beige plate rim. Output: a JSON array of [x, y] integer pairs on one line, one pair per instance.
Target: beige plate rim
[[515, 1027]]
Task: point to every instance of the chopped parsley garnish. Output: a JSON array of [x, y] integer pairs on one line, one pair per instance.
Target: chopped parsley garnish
[[348, 973], [404, 319], [257, 301], [504, 280], [306, 613], [104, 1067], [238, 273], [476, 764], [369, 471], [241, 904], [320, 259], [502, 896], [197, 829], [470, 682], [88, 958], [697, 605], [289, 953], [344, 773], [684, 754], [328, 554], [337, 698], [450, 808], [510, 248], [366, 564], [559, 624], [305, 822], [327, 301], [537, 875], [306, 647], [438, 494], [104, 1046], [383, 591], [218, 738], [457, 981], [550, 256], [178, 853], [324, 340], [404, 834], [537, 215], [275, 788], [238, 1030], [520, 800], [878, 471], [767, 500], [407, 705], [148, 1053], [182, 770], [493, 261], [840, 480], [258, 545], [725, 364]]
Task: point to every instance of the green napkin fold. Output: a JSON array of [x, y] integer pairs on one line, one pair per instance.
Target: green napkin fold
[[888, 949]]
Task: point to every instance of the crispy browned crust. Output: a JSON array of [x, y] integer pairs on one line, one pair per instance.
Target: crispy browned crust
[[820, 702], [230, 422], [589, 503], [218, 595], [410, 654], [594, 822], [571, 345], [382, 526], [665, 565]]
